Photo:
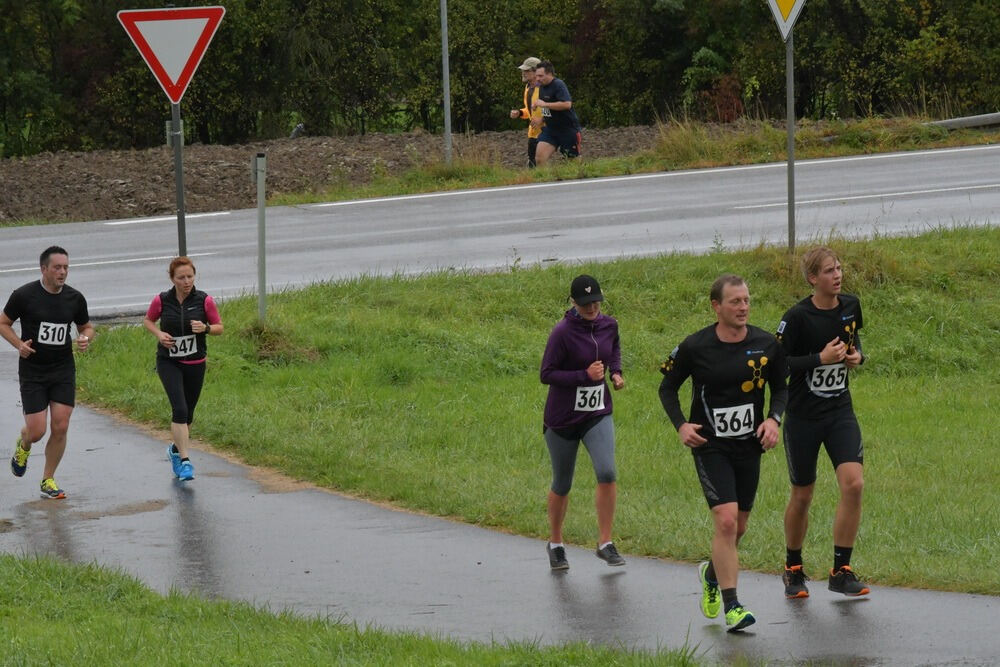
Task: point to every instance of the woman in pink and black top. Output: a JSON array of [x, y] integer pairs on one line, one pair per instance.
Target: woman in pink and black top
[[187, 316]]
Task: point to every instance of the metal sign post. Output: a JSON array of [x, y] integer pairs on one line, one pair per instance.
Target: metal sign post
[[260, 175], [177, 141], [785, 13], [790, 110], [446, 83]]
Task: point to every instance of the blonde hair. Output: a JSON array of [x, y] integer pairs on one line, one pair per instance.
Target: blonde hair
[[813, 260]]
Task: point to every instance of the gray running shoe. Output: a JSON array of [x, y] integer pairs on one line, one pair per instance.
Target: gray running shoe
[[557, 557], [610, 555], [845, 581]]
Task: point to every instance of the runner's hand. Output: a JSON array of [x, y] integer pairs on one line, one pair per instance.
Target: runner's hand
[[767, 433], [25, 349], [166, 340], [688, 433], [617, 381], [834, 351], [853, 358], [82, 342], [596, 370], [514, 113]]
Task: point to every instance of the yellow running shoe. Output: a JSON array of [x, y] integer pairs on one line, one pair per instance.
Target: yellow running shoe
[[50, 489], [19, 462], [739, 617], [710, 598]]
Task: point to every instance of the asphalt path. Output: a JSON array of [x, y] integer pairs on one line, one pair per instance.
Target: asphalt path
[[120, 264], [245, 534]]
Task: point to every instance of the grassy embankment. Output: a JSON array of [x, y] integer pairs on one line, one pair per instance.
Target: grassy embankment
[[679, 145], [424, 393]]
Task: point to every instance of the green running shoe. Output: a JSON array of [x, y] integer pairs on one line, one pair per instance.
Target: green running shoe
[[711, 601], [739, 617]]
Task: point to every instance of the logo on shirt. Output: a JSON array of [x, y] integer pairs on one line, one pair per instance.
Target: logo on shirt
[[757, 379], [781, 327], [851, 330], [669, 363]]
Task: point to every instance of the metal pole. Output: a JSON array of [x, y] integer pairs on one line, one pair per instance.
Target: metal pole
[[260, 173], [790, 103], [446, 83], [177, 138]]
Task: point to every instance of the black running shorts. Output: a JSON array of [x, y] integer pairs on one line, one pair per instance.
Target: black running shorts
[[838, 432], [39, 387], [729, 471]]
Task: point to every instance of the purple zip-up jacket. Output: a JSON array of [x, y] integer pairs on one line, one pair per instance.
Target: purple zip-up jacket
[[573, 345]]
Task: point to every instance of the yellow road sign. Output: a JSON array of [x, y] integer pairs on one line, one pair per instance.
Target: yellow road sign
[[785, 12]]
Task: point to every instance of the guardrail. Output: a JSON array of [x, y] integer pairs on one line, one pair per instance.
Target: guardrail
[[982, 120]]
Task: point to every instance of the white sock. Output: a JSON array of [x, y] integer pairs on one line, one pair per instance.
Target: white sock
[[604, 545], [554, 545]]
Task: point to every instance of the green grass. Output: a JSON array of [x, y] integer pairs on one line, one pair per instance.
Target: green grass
[[424, 392], [86, 615], [679, 145]]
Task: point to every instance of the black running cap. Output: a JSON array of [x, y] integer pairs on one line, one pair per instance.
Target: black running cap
[[585, 290]]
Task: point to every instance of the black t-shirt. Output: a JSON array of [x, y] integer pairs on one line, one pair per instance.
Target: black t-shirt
[[727, 396], [816, 389], [45, 320], [558, 121]]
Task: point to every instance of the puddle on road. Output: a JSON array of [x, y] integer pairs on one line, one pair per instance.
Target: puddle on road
[[125, 510]]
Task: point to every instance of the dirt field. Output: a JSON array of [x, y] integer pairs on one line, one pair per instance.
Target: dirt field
[[107, 185]]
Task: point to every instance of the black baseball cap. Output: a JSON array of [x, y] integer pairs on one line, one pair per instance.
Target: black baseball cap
[[585, 290]]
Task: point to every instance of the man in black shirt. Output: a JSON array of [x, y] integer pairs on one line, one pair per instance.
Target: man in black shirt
[[46, 371], [561, 127], [728, 428], [820, 337]]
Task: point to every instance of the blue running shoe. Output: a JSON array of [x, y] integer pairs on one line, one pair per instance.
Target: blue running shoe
[[19, 462], [185, 471], [175, 459]]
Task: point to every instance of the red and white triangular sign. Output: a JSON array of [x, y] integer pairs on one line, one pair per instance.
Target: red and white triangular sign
[[172, 42], [785, 12]]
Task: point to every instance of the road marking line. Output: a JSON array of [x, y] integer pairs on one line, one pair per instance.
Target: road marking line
[[133, 260], [138, 221], [877, 196]]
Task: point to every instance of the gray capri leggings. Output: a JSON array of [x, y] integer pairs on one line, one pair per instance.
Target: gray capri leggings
[[600, 443]]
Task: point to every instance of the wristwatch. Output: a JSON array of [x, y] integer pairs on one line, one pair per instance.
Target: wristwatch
[[776, 417]]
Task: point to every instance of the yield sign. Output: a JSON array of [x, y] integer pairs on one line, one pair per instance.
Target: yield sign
[[785, 12], [172, 42]]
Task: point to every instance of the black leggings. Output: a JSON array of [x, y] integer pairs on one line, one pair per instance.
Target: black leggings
[[182, 382]]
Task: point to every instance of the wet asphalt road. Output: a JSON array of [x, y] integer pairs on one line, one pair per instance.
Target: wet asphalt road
[[231, 533]]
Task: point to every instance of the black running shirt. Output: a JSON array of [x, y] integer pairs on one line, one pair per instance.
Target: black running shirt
[[816, 389], [727, 397], [45, 320]]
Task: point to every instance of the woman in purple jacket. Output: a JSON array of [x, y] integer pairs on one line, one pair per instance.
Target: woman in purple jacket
[[582, 349]]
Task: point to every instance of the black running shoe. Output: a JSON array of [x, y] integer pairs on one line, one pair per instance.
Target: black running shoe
[[557, 557], [610, 555], [795, 582], [845, 581]]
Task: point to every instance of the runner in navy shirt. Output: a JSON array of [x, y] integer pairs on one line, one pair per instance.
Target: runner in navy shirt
[[561, 127], [581, 351], [47, 310]]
